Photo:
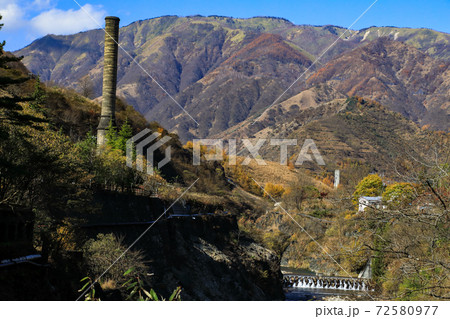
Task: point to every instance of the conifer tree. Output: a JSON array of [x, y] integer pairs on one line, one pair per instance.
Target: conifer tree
[[125, 133], [111, 135], [38, 96]]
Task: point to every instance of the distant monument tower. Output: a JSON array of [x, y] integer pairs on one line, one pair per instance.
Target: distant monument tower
[[109, 78], [337, 177]]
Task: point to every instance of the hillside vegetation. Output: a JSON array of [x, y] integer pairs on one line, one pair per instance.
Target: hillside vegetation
[[50, 164]]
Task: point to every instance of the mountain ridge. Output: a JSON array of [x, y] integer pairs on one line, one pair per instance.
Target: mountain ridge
[[394, 74], [186, 55]]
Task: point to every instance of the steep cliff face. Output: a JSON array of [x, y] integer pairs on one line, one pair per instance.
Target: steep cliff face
[[207, 259], [203, 254]]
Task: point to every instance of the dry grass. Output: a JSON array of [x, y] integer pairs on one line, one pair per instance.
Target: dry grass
[[205, 199], [276, 173], [108, 285]]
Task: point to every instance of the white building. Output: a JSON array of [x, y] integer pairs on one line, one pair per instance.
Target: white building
[[368, 201]]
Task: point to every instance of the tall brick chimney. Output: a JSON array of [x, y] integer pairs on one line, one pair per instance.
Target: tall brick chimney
[[109, 78]]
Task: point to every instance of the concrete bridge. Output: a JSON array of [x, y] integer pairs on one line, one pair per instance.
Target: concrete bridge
[[341, 283]]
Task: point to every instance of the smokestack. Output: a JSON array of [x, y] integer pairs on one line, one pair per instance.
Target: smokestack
[[109, 78]]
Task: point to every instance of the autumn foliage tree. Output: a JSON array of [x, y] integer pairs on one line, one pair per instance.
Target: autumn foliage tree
[[371, 185], [274, 191], [399, 194]]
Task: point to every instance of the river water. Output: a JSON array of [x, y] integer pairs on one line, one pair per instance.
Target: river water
[[307, 294]]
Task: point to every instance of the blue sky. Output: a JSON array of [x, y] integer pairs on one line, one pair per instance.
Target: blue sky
[[27, 20]]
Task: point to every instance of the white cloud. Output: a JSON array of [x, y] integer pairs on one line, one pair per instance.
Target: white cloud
[[12, 15], [41, 4], [26, 20], [56, 21]]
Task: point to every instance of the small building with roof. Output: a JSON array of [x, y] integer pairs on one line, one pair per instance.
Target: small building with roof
[[370, 201]]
